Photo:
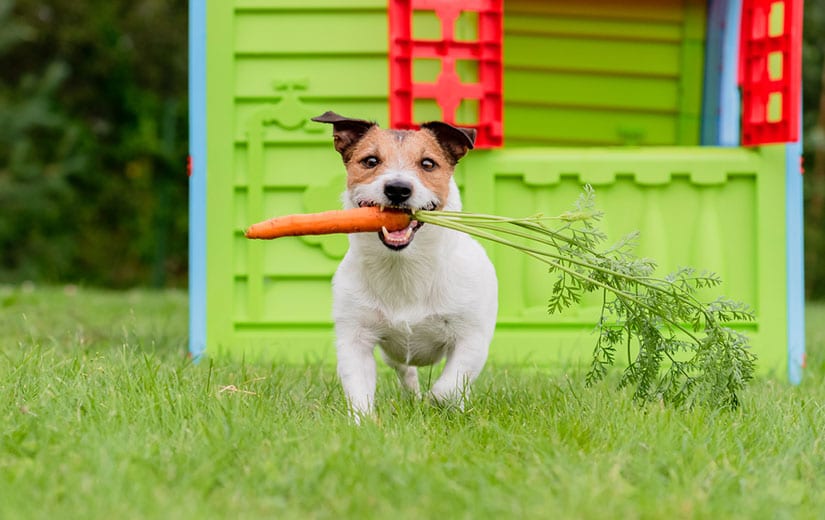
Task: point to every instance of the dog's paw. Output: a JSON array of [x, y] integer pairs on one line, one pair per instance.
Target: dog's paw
[[448, 401], [361, 417]]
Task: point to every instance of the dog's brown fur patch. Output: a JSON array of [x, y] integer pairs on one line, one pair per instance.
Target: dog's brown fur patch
[[401, 150]]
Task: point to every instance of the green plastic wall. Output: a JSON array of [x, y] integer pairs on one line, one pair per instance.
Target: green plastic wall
[[720, 209], [273, 65], [603, 72]]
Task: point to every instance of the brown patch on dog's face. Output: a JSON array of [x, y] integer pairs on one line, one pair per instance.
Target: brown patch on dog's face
[[381, 151], [429, 155]]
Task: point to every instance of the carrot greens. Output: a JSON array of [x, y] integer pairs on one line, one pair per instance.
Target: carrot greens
[[679, 349]]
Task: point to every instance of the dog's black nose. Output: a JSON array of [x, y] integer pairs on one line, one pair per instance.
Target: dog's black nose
[[397, 191]]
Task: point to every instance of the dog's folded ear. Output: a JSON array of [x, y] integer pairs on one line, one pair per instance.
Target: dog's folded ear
[[345, 130], [455, 140]]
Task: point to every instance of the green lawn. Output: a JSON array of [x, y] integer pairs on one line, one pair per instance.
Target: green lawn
[[103, 417]]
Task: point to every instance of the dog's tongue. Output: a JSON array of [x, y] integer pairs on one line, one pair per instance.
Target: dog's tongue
[[400, 236], [397, 235]]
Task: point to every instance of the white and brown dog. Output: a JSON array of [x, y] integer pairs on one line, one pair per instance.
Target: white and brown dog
[[421, 293]]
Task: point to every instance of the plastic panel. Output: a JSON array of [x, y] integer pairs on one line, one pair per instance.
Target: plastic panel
[[721, 209], [268, 72], [722, 101], [795, 251], [770, 70], [197, 178], [448, 90], [603, 72]]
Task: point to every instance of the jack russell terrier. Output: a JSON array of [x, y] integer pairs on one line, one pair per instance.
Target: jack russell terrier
[[421, 293]]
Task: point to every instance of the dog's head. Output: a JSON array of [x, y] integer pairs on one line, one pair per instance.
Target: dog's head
[[407, 169]]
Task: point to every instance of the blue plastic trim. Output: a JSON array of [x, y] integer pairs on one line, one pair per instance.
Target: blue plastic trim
[[197, 180], [796, 262], [713, 67], [721, 104]]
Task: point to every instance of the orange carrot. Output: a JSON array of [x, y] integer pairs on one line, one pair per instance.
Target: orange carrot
[[356, 220]]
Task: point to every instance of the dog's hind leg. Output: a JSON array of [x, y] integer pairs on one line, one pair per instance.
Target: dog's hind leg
[[407, 375]]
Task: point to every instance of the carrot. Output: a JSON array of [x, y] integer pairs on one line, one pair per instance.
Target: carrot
[[371, 218]]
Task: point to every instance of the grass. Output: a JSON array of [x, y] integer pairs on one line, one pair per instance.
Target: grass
[[102, 416]]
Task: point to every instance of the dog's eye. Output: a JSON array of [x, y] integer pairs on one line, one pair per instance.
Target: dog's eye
[[370, 162], [428, 164]]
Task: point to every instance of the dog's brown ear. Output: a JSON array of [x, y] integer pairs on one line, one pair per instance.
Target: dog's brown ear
[[455, 140], [345, 130]]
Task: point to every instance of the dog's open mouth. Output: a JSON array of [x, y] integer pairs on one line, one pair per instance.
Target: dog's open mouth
[[401, 238]]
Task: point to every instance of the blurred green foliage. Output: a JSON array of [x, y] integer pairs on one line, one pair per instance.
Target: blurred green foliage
[[813, 101], [93, 141]]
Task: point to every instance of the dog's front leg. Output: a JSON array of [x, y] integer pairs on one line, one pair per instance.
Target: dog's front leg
[[356, 368], [463, 365]]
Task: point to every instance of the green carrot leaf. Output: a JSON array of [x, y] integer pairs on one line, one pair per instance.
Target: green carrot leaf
[[679, 350]]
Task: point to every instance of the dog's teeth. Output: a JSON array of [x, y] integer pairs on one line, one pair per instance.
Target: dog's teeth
[[408, 234], [385, 231], [381, 208]]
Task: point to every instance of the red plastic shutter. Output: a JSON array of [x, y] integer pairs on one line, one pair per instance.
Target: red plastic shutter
[[448, 91], [770, 70]]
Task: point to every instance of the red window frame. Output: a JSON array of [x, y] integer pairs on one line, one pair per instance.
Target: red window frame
[[448, 90], [770, 71]]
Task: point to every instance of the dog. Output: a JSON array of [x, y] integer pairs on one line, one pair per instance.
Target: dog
[[420, 294]]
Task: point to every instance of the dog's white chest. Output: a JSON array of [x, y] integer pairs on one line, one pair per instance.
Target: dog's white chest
[[417, 343]]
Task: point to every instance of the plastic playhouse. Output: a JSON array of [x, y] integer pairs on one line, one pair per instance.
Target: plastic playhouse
[[683, 115]]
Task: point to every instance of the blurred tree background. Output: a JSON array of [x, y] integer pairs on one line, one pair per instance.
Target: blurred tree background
[[93, 141], [813, 105]]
